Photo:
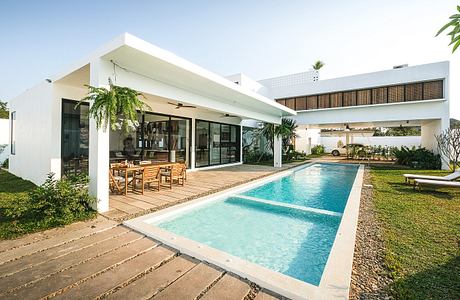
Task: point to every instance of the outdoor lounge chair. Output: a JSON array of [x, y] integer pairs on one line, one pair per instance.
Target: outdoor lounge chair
[[436, 183], [450, 177], [149, 175]]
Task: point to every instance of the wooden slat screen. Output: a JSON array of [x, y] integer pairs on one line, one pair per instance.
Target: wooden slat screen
[[290, 103], [379, 95], [364, 97], [414, 91], [301, 103], [336, 100], [396, 93], [323, 101], [312, 102], [349, 98], [433, 90], [376, 95]]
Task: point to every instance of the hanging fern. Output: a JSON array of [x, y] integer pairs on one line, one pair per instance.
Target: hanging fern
[[117, 106]]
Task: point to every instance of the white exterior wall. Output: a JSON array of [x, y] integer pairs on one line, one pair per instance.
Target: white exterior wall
[[38, 130]]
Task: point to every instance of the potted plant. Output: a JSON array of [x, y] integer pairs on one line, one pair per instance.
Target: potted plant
[[117, 106]]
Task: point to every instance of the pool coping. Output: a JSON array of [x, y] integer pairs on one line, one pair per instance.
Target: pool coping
[[335, 281]]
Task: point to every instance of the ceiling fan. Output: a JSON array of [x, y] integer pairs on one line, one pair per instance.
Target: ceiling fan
[[228, 116], [181, 105]]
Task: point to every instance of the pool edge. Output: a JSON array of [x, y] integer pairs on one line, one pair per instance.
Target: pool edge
[[333, 284]]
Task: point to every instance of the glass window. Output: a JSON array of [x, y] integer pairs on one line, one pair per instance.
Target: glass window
[[75, 138], [220, 141], [202, 143], [156, 138], [13, 133], [180, 140]]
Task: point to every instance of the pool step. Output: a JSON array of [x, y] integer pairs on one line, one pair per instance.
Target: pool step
[[293, 206]]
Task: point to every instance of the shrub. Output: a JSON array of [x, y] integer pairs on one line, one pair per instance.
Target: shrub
[[256, 157], [318, 149], [5, 163], [417, 158], [54, 203]]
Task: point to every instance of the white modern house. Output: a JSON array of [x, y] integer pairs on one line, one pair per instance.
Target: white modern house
[[197, 116], [402, 96]]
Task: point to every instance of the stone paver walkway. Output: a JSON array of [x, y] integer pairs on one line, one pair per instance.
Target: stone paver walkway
[[198, 184], [103, 259]]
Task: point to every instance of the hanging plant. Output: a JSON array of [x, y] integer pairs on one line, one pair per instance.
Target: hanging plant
[[117, 106]]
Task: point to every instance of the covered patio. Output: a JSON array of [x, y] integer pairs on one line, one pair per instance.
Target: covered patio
[[198, 184], [195, 119]]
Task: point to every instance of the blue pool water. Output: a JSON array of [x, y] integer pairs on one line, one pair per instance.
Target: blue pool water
[[291, 241]]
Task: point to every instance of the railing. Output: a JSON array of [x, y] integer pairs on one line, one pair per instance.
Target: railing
[[417, 91]]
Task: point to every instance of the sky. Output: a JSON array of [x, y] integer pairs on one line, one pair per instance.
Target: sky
[[259, 38]]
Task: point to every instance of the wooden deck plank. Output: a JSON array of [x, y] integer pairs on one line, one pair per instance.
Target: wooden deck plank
[[149, 285], [191, 284], [56, 240], [83, 271], [38, 236], [59, 251], [228, 287], [40, 271], [119, 275]]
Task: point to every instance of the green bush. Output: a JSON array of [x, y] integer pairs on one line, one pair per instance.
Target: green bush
[[54, 203], [318, 149], [417, 158], [251, 157], [5, 163]]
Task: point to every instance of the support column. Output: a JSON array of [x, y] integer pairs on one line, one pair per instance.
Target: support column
[[428, 140], [277, 152], [98, 148], [192, 145]]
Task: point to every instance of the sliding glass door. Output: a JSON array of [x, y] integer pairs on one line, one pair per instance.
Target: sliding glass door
[[216, 143]]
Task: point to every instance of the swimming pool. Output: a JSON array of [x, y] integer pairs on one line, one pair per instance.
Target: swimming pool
[[287, 224]]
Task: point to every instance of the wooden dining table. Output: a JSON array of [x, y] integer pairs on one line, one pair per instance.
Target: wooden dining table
[[133, 169]]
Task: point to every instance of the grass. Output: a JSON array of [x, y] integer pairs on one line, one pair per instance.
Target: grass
[[421, 234], [13, 192]]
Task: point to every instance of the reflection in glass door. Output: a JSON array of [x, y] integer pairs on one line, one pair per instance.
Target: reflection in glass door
[[215, 143], [180, 131], [202, 144]]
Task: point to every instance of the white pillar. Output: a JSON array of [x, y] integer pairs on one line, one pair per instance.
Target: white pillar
[[277, 152], [192, 145], [428, 140], [309, 146], [99, 146]]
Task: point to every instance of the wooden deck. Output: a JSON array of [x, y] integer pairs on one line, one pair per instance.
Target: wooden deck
[[198, 184], [102, 259]]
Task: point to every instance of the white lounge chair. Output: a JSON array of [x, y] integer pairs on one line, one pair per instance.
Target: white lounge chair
[[436, 183], [450, 177]]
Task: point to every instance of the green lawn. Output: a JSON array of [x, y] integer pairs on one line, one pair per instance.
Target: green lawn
[[14, 192], [422, 235]]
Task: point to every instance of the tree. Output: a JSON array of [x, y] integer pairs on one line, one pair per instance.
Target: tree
[[286, 130], [317, 65], [449, 147], [455, 33], [4, 113]]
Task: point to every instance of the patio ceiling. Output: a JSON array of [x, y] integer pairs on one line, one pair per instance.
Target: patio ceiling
[[138, 57]]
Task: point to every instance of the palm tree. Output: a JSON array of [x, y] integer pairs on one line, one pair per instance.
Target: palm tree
[[317, 65], [286, 130], [455, 33]]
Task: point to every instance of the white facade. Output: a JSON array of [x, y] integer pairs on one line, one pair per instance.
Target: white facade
[[432, 115], [237, 99], [160, 75]]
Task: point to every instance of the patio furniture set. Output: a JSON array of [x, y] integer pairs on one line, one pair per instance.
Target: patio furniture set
[[146, 173]]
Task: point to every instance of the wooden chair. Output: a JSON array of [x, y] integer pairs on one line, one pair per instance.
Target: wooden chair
[[175, 173], [149, 175], [117, 179]]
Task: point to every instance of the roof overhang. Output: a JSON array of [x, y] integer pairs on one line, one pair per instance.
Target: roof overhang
[[145, 59]]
